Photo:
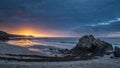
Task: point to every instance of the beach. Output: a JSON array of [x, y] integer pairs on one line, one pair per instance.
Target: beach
[[94, 63], [9, 50]]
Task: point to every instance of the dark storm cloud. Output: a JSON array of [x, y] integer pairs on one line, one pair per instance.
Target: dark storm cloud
[[75, 16]]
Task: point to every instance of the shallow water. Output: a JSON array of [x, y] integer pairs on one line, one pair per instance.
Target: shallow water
[[58, 42]]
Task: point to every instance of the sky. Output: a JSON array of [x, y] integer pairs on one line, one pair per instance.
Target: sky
[[61, 18]]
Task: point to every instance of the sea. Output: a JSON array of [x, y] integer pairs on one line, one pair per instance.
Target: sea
[[61, 42]]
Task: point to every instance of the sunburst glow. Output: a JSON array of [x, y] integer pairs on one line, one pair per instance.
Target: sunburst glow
[[27, 32], [35, 32]]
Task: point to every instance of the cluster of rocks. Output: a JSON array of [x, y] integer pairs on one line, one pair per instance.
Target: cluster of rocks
[[90, 47]]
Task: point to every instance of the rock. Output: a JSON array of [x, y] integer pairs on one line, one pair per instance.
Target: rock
[[117, 52], [3, 36], [89, 45]]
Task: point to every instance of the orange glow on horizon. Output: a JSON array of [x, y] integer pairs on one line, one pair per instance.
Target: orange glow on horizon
[[34, 32], [26, 32], [29, 30]]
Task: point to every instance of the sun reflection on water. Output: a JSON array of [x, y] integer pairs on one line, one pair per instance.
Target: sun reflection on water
[[23, 43]]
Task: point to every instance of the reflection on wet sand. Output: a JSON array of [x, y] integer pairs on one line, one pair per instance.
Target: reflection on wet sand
[[23, 42]]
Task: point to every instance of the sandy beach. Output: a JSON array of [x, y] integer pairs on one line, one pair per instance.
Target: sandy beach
[[101, 62], [94, 63]]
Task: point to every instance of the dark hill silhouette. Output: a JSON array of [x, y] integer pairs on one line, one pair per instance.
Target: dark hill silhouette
[[5, 35]]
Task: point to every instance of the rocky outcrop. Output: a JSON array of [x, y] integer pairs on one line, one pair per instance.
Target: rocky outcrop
[[6, 36], [3, 36], [117, 52], [88, 45]]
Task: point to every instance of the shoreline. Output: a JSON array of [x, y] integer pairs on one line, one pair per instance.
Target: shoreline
[[12, 56]]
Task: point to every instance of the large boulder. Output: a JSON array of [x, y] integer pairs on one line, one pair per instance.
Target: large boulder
[[117, 52], [88, 45]]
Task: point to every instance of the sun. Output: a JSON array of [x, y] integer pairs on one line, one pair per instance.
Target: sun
[[27, 34]]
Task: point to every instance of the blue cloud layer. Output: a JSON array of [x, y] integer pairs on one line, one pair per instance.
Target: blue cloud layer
[[66, 15]]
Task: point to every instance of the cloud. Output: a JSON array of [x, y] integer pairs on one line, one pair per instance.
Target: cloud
[[104, 23], [101, 28], [75, 16], [114, 34]]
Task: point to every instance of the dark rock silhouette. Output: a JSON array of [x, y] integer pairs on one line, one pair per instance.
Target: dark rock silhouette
[[89, 46], [3, 36], [6, 36], [117, 52]]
